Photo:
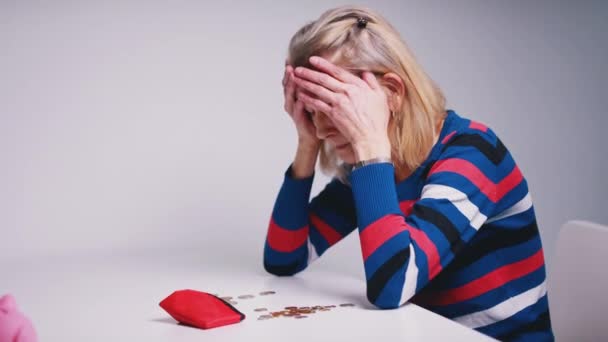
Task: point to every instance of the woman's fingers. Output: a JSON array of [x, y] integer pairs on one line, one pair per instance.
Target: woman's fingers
[[319, 91], [371, 80], [315, 104], [284, 80], [320, 78], [335, 71], [289, 94]]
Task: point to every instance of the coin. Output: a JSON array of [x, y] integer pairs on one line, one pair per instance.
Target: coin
[[266, 293], [260, 309], [232, 302], [226, 298], [347, 304], [298, 317], [248, 296], [291, 307]]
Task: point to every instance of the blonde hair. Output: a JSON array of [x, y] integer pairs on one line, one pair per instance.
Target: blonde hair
[[378, 48]]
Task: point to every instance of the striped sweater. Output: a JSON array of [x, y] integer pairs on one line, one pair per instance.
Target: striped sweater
[[458, 236]]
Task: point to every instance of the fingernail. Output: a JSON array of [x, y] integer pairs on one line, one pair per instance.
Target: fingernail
[[314, 59], [299, 70]]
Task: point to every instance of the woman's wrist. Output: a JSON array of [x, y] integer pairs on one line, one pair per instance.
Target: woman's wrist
[[369, 150], [305, 160]]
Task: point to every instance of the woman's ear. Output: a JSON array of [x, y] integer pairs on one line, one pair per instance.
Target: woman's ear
[[395, 88]]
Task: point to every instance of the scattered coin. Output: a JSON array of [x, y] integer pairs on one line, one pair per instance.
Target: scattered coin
[[260, 309], [226, 298], [231, 302], [347, 304], [298, 317], [248, 296], [266, 293]]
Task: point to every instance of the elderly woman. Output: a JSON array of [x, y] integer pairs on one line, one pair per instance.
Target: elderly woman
[[444, 216]]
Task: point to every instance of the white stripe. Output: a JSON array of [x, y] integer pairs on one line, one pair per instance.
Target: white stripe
[[519, 207], [505, 309], [312, 252], [411, 278], [459, 199]]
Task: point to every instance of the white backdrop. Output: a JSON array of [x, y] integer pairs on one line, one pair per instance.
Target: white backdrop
[[158, 126]]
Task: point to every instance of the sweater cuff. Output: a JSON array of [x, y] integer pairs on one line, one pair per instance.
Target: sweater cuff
[[374, 192], [291, 207]]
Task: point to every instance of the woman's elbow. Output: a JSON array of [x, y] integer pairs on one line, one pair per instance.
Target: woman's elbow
[[283, 270], [387, 301]]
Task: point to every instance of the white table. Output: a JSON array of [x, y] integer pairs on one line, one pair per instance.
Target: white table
[[99, 298]]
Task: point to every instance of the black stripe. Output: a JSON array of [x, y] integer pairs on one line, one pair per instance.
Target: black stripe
[[497, 239], [541, 323], [440, 221], [494, 154], [282, 270], [339, 198], [384, 273]]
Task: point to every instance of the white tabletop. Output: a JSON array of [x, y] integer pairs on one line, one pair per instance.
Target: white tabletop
[[116, 298]]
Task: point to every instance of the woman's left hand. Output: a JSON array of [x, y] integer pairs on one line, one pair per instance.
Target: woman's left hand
[[358, 107]]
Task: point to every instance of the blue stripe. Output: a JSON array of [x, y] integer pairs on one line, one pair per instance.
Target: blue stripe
[[385, 252], [491, 262], [391, 293], [290, 209], [374, 192], [516, 221], [321, 245], [492, 297]]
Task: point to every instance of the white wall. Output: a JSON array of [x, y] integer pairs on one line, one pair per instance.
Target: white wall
[[159, 125]]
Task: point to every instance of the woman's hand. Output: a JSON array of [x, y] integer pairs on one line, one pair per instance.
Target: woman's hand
[[295, 108], [358, 107]]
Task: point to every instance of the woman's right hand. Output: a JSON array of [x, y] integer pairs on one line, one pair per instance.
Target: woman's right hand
[[306, 129]]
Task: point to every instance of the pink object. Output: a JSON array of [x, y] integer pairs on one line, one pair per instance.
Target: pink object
[[14, 326]]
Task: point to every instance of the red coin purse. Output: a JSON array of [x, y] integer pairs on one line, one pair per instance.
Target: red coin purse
[[200, 309]]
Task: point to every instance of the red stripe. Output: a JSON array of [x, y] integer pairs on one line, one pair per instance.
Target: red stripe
[[488, 282], [328, 233], [429, 249], [478, 126], [284, 240], [377, 233], [468, 170], [509, 182], [495, 192], [447, 137], [407, 206]]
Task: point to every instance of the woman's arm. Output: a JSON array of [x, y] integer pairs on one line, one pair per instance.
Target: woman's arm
[[402, 253], [299, 231]]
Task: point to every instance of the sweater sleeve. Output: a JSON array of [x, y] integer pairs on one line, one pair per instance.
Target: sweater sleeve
[[402, 253], [300, 231]]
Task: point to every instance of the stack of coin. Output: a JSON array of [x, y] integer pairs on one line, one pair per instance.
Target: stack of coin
[[299, 312]]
